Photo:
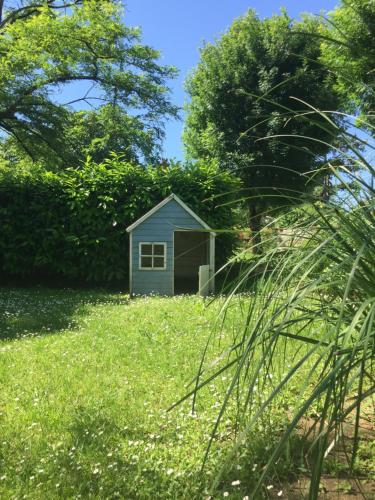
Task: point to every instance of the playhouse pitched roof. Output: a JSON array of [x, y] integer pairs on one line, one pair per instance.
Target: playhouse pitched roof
[[161, 204]]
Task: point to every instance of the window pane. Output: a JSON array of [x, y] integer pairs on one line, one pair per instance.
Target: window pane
[[158, 262], [146, 262], [146, 249], [158, 249]]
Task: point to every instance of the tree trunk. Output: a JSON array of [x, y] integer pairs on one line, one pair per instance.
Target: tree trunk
[[255, 225]]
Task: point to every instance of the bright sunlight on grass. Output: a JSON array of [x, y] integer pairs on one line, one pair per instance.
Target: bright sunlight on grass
[[86, 382], [86, 379]]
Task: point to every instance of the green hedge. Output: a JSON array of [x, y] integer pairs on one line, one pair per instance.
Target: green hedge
[[70, 226]]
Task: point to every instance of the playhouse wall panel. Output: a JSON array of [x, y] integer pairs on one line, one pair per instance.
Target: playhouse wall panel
[[159, 227]]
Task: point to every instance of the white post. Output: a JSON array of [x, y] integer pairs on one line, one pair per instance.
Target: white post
[[212, 262], [130, 263], [204, 280]]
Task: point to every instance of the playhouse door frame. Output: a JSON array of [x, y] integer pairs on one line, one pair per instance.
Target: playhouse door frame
[[211, 259]]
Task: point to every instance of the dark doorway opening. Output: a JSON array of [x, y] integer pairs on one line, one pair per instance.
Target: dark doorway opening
[[191, 250]]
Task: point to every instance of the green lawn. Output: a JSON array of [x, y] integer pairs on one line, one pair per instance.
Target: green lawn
[[86, 380]]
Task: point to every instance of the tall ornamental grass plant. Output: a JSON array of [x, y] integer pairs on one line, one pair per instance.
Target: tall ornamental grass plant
[[315, 297]]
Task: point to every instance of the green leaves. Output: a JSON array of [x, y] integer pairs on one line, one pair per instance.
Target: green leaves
[[314, 298], [71, 226], [248, 90], [348, 50], [44, 48]]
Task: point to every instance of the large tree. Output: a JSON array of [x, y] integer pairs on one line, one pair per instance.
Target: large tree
[[95, 133], [48, 45], [348, 50], [250, 107]]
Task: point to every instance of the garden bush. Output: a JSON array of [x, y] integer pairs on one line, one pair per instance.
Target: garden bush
[[71, 226]]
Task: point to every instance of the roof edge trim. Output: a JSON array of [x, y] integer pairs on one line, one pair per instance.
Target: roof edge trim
[[160, 205]]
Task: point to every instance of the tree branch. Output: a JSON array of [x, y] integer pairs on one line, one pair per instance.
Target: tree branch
[[8, 112], [86, 99], [30, 10], [11, 132]]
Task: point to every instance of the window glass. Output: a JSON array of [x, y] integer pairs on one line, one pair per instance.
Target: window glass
[[146, 249], [158, 249], [158, 261], [152, 256], [146, 262]]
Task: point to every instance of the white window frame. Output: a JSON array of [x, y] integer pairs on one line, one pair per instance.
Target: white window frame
[[153, 243]]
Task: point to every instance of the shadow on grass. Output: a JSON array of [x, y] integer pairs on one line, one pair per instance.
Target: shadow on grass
[[103, 465], [99, 458], [39, 311]]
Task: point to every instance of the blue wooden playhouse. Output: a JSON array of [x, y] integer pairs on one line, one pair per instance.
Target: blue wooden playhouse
[[172, 251]]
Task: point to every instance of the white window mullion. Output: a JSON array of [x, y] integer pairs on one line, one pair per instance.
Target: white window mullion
[[155, 254]]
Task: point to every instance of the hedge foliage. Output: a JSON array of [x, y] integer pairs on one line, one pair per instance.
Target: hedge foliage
[[71, 226]]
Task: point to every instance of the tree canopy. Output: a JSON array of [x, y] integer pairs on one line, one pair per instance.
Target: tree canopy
[[348, 50], [47, 45], [95, 133], [251, 103]]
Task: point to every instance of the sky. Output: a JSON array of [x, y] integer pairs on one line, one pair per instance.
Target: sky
[[178, 28]]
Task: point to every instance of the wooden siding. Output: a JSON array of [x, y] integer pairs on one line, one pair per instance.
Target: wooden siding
[[159, 227]]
